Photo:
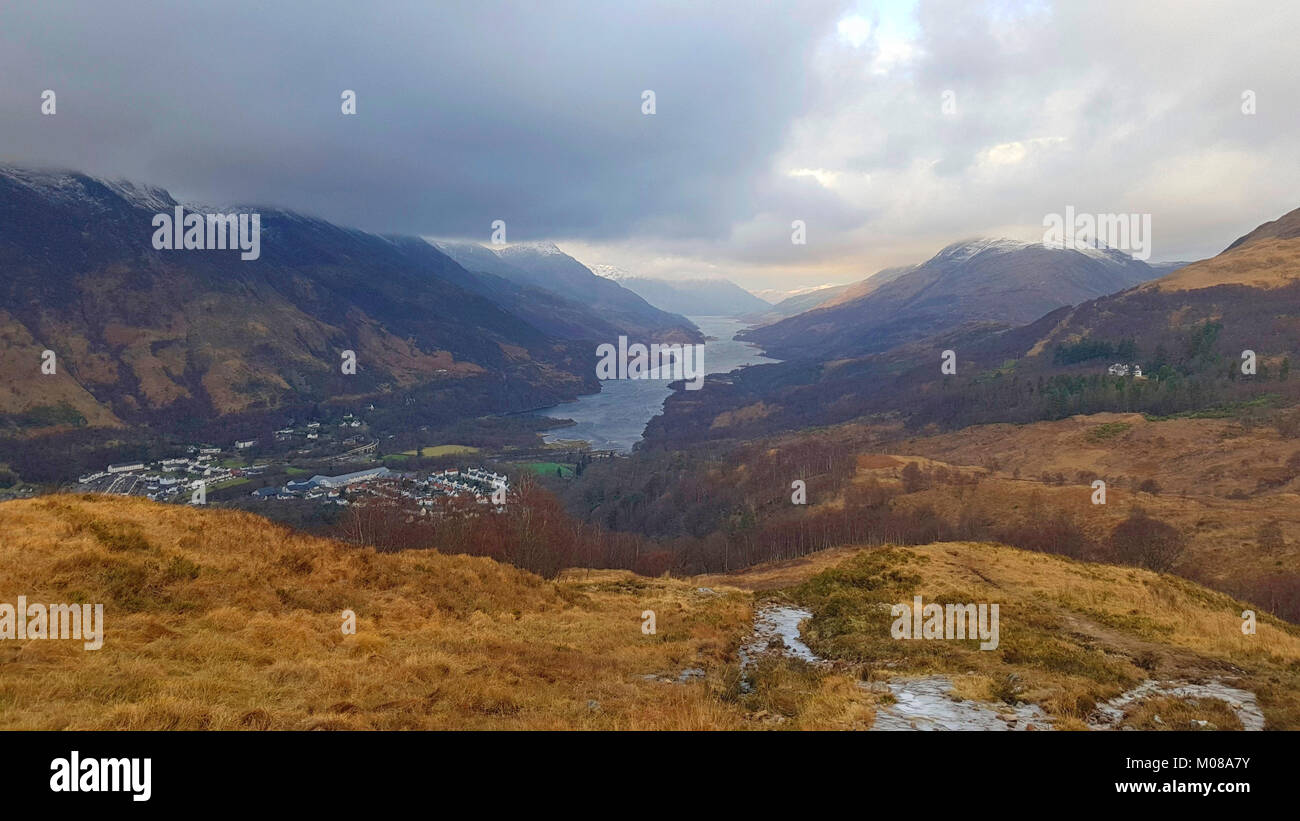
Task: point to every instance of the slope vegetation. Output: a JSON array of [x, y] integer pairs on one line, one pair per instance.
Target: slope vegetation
[[220, 620]]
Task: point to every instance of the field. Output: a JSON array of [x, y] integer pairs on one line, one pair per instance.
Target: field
[[442, 450]]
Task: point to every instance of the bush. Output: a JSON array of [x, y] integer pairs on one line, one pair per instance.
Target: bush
[[1149, 486], [1146, 542], [1269, 537]]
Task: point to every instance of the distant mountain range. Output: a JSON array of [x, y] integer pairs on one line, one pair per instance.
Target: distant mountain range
[[1187, 330], [795, 303], [542, 265], [982, 280], [694, 297]]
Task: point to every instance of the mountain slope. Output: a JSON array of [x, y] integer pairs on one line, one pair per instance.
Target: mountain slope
[[795, 304], [161, 337], [1187, 331], [220, 620], [1268, 257], [543, 265], [973, 281], [697, 297], [224, 621], [547, 311]]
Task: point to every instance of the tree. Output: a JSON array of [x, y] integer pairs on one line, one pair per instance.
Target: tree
[[1269, 537], [913, 479], [1146, 542]]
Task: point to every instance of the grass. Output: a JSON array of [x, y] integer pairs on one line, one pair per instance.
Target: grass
[[218, 619], [1108, 430], [1073, 634], [231, 482], [549, 468], [442, 450]]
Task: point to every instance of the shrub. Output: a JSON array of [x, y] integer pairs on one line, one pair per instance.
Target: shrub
[[1146, 542]]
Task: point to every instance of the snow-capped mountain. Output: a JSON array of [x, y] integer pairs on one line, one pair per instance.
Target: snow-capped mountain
[[976, 280]]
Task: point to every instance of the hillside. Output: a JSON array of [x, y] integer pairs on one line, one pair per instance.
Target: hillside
[[543, 265], [694, 297], [1187, 331], [1268, 257], [220, 620], [984, 280], [160, 338], [795, 304]]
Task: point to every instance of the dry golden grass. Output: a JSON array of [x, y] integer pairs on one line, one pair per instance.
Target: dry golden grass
[[1074, 633], [1264, 263], [1218, 481], [222, 620]]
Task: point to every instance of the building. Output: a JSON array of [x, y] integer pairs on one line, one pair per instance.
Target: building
[[247, 443], [349, 478], [124, 467], [1124, 369]]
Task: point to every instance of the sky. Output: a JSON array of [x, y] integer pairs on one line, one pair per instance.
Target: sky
[[890, 129]]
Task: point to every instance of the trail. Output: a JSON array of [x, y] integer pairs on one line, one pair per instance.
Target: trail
[[926, 703]]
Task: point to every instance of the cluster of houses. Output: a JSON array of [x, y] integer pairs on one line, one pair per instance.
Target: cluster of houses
[[381, 482], [312, 430], [476, 482], [1123, 369], [167, 478]]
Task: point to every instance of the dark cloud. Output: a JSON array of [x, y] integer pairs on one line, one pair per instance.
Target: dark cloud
[[766, 113], [467, 112]]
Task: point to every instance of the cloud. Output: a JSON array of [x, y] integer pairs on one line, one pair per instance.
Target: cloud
[[828, 112]]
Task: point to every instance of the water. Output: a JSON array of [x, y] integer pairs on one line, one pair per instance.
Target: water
[[781, 622], [615, 418]]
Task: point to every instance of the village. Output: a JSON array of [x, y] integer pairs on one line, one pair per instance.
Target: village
[[207, 468]]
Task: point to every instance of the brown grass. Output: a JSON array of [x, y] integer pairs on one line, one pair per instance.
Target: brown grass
[[222, 620]]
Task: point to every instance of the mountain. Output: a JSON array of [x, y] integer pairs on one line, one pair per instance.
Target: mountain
[[545, 310], [174, 337], [697, 297], [857, 290], [983, 280], [543, 265], [1267, 257], [1187, 331], [795, 303]]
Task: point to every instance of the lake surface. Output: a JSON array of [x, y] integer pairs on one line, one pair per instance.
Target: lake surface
[[615, 418]]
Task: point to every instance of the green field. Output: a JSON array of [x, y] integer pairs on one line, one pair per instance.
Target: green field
[[548, 468]]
